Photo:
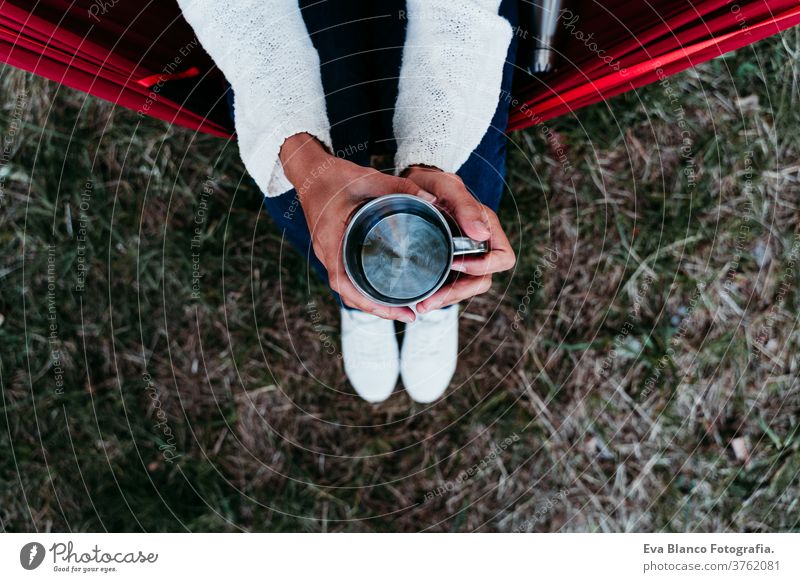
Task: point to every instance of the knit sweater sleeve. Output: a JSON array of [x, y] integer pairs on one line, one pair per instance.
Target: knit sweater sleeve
[[450, 80], [263, 48]]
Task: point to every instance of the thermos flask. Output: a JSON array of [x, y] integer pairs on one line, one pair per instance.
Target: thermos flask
[[544, 24]]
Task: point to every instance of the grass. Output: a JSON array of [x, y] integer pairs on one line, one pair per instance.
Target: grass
[[642, 359]]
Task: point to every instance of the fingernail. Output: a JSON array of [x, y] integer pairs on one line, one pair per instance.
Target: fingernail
[[425, 195], [458, 267], [481, 227], [406, 318], [435, 305], [382, 314]]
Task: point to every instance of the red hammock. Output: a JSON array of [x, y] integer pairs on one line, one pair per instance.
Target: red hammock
[[144, 56]]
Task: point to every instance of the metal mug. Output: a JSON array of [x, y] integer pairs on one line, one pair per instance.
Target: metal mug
[[398, 249]]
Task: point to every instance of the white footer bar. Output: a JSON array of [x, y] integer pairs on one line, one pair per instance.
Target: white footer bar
[[390, 557]]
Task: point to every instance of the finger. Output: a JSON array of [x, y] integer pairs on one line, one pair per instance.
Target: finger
[[427, 196], [472, 216], [393, 185], [405, 186], [452, 195], [353, 298], [493, 262], [462, 288], [500, 258]]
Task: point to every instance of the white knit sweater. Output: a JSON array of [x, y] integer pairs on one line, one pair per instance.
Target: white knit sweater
[[449, 83]]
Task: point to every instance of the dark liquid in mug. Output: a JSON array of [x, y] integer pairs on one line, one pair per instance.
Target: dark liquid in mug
[[404, 256]]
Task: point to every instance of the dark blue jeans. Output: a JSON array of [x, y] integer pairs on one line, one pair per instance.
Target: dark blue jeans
[[360, 48]]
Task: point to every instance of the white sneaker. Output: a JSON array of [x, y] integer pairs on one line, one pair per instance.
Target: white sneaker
[[370, 354], [430, 352]]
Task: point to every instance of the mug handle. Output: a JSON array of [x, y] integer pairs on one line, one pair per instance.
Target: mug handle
[[463, 245]]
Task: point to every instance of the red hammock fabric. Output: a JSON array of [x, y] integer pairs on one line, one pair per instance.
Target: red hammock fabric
[[646, 41], [144, 56]]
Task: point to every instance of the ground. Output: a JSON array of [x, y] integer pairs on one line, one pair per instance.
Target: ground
[[168, 365]]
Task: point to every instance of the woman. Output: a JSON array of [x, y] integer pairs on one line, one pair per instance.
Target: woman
[[321, 87]]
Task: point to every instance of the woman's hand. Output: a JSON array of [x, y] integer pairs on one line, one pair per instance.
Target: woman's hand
[[330, 190], [475, 221]]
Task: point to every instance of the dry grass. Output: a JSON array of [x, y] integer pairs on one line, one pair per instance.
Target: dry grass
[[649, 383]]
